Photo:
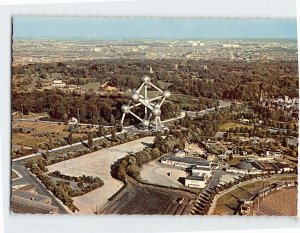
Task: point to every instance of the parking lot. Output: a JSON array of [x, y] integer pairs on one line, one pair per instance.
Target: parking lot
[[157, 173], [98, 164]]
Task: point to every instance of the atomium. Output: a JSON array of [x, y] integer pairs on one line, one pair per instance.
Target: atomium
[[152, 106]]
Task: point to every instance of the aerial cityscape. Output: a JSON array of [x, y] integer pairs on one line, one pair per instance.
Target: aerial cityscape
[[172, 123]]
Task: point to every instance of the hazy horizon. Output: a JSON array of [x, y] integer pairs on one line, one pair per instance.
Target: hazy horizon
[[84, 28]]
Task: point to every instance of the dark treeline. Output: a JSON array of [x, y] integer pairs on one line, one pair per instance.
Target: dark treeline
[[88, 108], [62, 106], [239, 80]]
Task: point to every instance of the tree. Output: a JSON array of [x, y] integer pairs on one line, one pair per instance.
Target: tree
[[90, 140], [285, 142], [100, 131], [133, 170], [125, 135], [50, 143], [155, 153], [35, 169], [113, 135], [80, 184], [58, 110], [35, 148], [42, 166], [112, 120], [158, 140], [70, 138]]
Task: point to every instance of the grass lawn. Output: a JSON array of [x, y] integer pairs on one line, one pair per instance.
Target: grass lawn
[[235, 160], [14, 175], [30, 140], [228, 125], [95, 86], [163, 84], [57, 132]]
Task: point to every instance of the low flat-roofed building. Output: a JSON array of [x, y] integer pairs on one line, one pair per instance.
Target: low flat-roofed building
[[32, 196], [185, 162], [274, 166], [202, 170], [243, 168], [58, 83], [195, 181]]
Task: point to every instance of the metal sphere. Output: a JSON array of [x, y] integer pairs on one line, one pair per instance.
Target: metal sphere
[[145, 123], [166, 93], [156, 111], [135, 96], [146, 79], [125, 108], [147, 101]]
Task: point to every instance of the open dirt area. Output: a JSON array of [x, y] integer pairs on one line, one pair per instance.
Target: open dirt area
[[226, 178], [138, 198], [98, 164], [157, 173], [191, 148], [284, 202]]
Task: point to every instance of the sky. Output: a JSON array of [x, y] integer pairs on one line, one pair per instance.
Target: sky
[[151, 28]]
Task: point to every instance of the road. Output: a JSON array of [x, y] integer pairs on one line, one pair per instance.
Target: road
[[129, 130], [222, 104], [29, 179]]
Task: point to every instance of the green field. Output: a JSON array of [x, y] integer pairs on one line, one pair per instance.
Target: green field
[[232, 124], [163, 84], [14, 175], [95, 86]]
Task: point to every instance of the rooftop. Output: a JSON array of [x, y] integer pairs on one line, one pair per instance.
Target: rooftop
[[202, 168], [191, 161], [30, 196], [244, 166], [23, 205], [191, 177]]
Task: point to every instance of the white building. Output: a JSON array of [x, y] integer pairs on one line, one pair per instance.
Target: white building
[[72, 121], [243, 168], [179, 160], [201, 170], [58, 83], [195, 181]]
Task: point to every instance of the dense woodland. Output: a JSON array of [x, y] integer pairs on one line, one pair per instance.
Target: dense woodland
[[227, 79], [87, 108], [195, 85]]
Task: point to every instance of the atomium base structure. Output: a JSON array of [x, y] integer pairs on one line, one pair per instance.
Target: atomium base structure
[[152, 107]]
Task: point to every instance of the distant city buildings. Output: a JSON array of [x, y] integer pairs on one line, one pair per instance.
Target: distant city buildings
[[246, 50]]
